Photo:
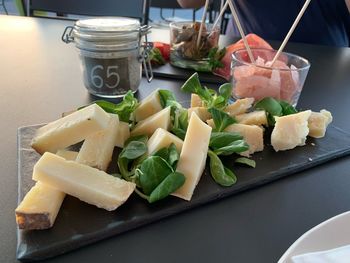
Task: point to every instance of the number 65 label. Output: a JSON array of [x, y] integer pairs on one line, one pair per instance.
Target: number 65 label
[[100, 77]]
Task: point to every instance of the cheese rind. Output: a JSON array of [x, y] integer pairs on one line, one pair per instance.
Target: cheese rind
[[201, 112], [193, 156], [71, 129], [123, 134], [252, 134], [86, 183], [162, 138], [39, 208], [290, 131], [148, 106], [148, 126], [97, 149], [318, 122], [239, 106], [252, 118]]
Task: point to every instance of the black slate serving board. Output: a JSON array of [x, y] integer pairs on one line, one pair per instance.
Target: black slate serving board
[[79, 224], [169, 71]]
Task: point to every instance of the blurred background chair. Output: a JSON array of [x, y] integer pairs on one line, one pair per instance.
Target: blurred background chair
[[67, 8], [2, 4], [214, 10], [169, 4]]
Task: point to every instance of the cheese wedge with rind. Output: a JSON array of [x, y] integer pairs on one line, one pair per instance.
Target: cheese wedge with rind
[[253, 135], [290, 131], [162, 138], [123, 134], [193, 156], [86, 183], [148, 126], [40, 206], [148, 106], [97, 149], [70, 130]]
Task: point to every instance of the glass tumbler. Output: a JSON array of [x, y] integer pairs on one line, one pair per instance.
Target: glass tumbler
[[284, 80]]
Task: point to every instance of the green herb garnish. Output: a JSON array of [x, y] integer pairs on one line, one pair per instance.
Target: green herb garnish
[[154, 175], [246, 161], [274, 108], [124, 109], [221, 119], [210, 97], [219, 172]]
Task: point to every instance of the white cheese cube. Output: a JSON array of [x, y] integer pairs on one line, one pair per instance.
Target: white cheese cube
[[318, 122], [148, 106], [252, 134], [70, 129], [201, 112], [97, 149], [193, 156], [162, 138], [239, 106], [252, 118], [148, 126], [86, 183], [328, 114], [196, 101], [290, 131], [123, 134]]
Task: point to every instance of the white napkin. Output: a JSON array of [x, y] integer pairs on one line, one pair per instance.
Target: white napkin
[[336, 255]]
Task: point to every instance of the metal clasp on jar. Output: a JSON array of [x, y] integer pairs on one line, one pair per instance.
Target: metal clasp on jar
[[67, 36], [144, 56]]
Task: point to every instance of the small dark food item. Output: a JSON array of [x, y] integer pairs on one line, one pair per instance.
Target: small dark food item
[[184, 41]]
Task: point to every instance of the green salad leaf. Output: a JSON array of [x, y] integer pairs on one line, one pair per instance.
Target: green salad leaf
[[169, 185], [246, 161], [221, 174], [221, 139], [233, 147], [134, 151], [287, 109], [124, 109], [209, 97], [169, 154], [193, 85], [221, 119], [153, 171], [215, 55], [274, 108]]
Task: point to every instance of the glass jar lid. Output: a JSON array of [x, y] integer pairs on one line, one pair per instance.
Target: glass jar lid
[[108, 24], [108, 33]]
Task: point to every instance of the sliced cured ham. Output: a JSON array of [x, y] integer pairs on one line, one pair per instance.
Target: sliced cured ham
[[254, 41]]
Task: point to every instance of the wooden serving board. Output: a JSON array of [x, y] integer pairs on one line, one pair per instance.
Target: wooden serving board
[[79, 224]]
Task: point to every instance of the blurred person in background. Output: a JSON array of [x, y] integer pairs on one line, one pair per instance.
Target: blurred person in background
[[325, 22]]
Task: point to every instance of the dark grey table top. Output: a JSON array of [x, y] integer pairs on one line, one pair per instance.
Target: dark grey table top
[[40, 78]]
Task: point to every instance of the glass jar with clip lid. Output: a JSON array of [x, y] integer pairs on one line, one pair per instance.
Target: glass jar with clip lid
[[112, 51]]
